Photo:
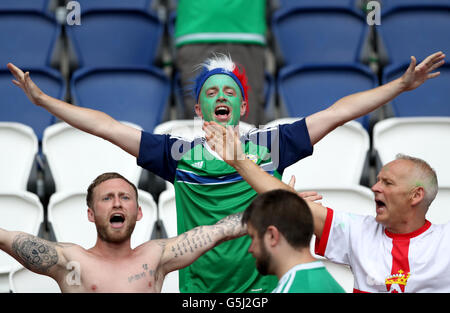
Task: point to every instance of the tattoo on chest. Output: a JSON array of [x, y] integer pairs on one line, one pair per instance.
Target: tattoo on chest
[[146, 272], [35, 252]]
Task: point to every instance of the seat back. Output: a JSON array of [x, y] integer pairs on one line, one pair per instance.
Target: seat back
[[431, 99], [301, 32], [438, 212], [415, 30], [22, 280], [108, 38], [67, 214], [75, 158], [338, 158], [16, 107], [137, 95], [305, 90], [421, 137], [19, 211], [168, 216], [29, 37], [19, 148]]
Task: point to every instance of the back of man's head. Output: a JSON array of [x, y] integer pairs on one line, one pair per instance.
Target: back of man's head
[[285, 210]]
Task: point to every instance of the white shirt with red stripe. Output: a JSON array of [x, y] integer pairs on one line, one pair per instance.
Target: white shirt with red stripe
[[386, 262]]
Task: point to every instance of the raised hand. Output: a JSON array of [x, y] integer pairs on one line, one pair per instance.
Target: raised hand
[[24, 81], [306, 195], [225, 141], [417, 75]]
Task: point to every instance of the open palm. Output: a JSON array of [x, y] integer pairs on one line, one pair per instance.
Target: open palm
[[417, 75]]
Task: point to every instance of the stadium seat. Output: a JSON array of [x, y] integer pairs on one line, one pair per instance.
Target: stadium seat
[[416, 30], [430, 99], [339, 158], [139, 95], [19, 211], [324, 35], [19, 149], [67, 216], [39, 5], [387, 5], [304, 90], [16, 107], [438, 213], [144, 5], [423, 137], [28, 37], [22, 280], [315, 3], [110, 37], [167, 214], [76, 158]]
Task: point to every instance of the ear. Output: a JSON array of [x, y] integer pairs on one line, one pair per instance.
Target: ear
[[272, 236], [198, 110], [91, 215], [243, 108], [417, 195], [139, 215]]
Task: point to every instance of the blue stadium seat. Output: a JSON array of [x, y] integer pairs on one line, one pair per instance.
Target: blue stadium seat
[[320, 35], [325, 3], [28, 37], [40, 5], [307, 89], [144, 5], [138, 95], [430, 99], [414, 30], [116, 37], [387, 5], [16, 107]]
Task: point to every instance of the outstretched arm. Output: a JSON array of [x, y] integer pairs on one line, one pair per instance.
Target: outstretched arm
[[353, 106], [227, 144], [91, 121], [181, 251], [34, 253]]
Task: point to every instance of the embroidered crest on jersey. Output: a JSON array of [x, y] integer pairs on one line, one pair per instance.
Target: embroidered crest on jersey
[[396, 283]]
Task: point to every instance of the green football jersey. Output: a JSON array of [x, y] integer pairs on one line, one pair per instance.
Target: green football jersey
[[207, 189], [310, 277]]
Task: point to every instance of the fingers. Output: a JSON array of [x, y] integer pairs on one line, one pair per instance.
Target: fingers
[[412, 64], [15, 71], [292, 181]]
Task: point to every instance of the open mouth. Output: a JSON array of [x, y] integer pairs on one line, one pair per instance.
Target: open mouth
[[116, 220], [222, 112], [380, 206]]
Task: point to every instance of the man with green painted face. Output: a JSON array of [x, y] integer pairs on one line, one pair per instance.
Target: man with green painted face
[[206, 187]]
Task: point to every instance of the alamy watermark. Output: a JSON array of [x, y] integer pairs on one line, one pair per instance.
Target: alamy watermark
[[373, 13], [73, 13]]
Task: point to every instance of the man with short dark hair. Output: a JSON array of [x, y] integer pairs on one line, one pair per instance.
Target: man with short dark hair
[[280, 225]]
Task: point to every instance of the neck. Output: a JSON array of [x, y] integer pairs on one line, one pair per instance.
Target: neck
[[292, 258], [406, 227], [112, 250]]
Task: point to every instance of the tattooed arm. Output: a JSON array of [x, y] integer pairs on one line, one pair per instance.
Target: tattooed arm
[[181, 251], [36, 254]]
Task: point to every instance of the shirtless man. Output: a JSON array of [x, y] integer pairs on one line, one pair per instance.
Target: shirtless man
[[111, 265]]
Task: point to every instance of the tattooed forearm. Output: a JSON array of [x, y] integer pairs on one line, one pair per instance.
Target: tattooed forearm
[[37, 254], [206, 237]]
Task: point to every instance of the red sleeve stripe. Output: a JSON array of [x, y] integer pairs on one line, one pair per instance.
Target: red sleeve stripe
[[321, 244]]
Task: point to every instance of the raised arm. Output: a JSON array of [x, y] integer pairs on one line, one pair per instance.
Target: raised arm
[[91, 121], [227, 144], [361, 103], [34, 253], [183, 250]]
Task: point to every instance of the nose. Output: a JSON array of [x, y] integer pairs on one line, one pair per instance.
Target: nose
[[376, 187], [116, 202]]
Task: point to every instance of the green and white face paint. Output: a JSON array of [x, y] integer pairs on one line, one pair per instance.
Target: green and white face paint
[[220, 100]]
